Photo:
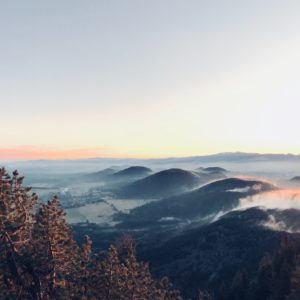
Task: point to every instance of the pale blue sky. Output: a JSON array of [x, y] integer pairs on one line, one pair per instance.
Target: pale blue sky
[[150, 78]]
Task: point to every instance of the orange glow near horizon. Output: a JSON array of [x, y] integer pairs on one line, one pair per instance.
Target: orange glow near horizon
[[35, 153], [32, 153], [51, 153]]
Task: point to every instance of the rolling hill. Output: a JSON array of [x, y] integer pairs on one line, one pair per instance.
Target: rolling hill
[[212, 170], [96, 176], [295, 179], [133, 172], [207, 201], [164, 183]]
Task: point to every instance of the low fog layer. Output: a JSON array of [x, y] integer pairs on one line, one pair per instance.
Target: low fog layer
[[278, 199], [275, 165], [108, 191]]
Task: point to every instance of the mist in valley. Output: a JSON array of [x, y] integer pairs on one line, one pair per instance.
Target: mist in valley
[[165, 204]]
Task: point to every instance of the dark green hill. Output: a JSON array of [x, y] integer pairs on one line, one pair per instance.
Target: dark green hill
[[166, 183], [209, 257], [217, 197], [133, 172]]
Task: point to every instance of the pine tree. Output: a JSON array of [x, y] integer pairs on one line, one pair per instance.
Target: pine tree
[[40, 260], [295, 281], [17, 209], [239, 285], [83, 287], [205, 296], [264, 279], [54, 250]]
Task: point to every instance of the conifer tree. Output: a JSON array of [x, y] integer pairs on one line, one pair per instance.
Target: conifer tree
[[17, 209], [54, 250], [264, 279], [295, 281], [239, 285], [40, 260]]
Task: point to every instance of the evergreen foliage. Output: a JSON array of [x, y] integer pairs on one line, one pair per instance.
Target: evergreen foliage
[[277, 277], [39, 258]]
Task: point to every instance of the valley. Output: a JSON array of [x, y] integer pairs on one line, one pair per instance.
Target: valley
[[199, 226]]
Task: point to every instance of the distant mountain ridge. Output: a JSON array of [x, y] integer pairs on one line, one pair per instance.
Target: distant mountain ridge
[[295, 179], [94, 164], [212, 170]]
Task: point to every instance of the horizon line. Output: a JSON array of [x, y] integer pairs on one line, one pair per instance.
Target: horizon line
[[146, 158]]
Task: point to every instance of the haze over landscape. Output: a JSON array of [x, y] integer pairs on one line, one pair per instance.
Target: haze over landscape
[[159, 146]]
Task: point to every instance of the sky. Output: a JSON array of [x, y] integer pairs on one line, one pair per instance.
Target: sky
[[159, 78]]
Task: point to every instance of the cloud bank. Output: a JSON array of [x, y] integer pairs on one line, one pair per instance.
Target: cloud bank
[[279, 199]]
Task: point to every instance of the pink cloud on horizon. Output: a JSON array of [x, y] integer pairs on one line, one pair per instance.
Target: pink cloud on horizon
[[32, 152]]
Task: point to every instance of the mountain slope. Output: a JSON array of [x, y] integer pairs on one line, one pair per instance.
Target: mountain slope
[[166, 183], [212, 170], [208, 257], [295, 179], [133, 172], [97, 176], [217, 197]]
